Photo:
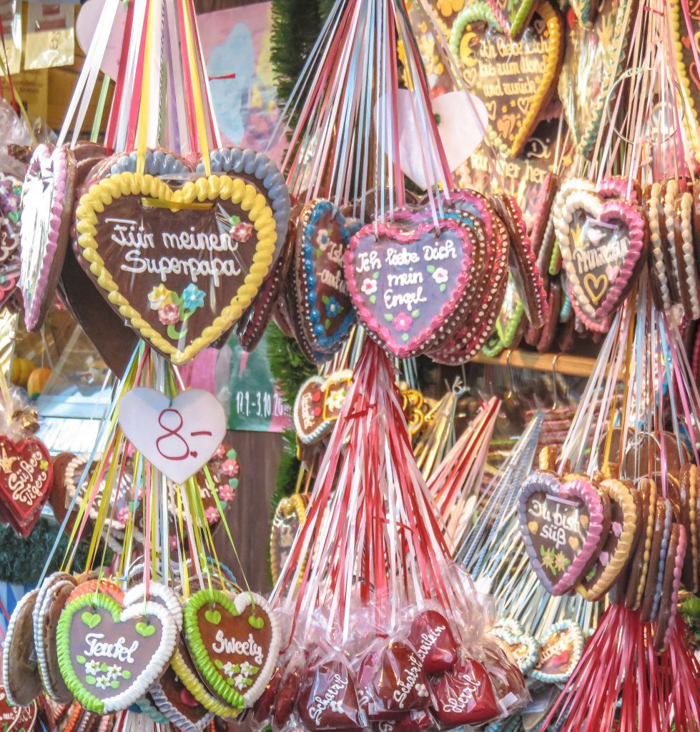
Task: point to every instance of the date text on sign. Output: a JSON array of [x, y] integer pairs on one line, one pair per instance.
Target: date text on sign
[[178, 437]]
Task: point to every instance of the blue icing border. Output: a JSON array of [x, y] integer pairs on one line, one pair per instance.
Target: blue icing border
[[325, 342], [579, 641], [158, 162], [239, 160]]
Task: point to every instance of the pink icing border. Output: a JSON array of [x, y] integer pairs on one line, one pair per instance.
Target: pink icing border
[[637, 224], [615, 186], [540, 481], [405, 237], [59, 166], [594, 325]]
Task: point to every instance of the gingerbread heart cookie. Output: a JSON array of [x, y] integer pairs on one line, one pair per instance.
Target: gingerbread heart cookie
[[671, 584], [560, 650], [180, 265], [618, 544], [410, 281], [514, 79], [26, 478], [110, 655], [20, 673], [603, 244], [290, 515], [562, 524], [234, 643], [593, 58], [323, 301], [47, 203], [309, 421], [522, 647]]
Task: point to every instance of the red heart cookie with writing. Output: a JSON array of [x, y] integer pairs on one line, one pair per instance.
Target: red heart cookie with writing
[[465, 695], [514, 79], [234, 643], [562, 524], [603, 245], [180, 265], [310, 422], [328, 699], [409, 284], [433, 641], [26, 478], [110, 655]]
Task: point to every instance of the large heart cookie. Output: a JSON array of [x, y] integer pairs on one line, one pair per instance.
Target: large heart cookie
[[109, 655], [47, 203], [177, 435], [562, 525], [603, 245], [233, 642], [514, 79], [592, 61], [409, 280], [181, 265], [26, 478]]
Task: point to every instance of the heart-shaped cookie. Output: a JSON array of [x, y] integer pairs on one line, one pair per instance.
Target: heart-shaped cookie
[[514, 79], [465, 695], [14, 718], [290, 515], [409, 282], [603, 245], [47, 204], [181, 265], [234, 643], [110, 655], [26, 478], [562, 525], [323, 300], [522, 647], [20, 674], [618, 544], [592, 60], [176, 435], [434, 641], [328, 698], [310, 422], [561, 648]]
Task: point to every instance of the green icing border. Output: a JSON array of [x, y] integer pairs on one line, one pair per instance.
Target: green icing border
[[199, 653]]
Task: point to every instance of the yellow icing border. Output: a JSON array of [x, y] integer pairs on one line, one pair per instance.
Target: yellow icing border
[[619, 492], [691, 112], [224, 187], [546, 87]]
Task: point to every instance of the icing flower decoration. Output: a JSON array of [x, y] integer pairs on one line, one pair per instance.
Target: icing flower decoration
[[169, 314], [230, 467], [440, 275], [101, 682], [323, 238], [114, 671], [335, 400], [240, 682], [212, 515], [123, 515], [402, 322], [230, 668], [561, 562], [336, 706], [226, 493], [241, 232], [92, 667], [192, 297], [421, 690], [247, 669], [159, 296], [333, 307], [220, 452], [369, 286]]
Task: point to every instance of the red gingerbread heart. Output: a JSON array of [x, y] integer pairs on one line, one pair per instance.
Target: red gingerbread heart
[[328, 699], [465, 695], [263, 706], [26, 477], [287, 695], [432, 638]]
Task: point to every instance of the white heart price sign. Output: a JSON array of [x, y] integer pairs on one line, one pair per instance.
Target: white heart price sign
[[178, 436]]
